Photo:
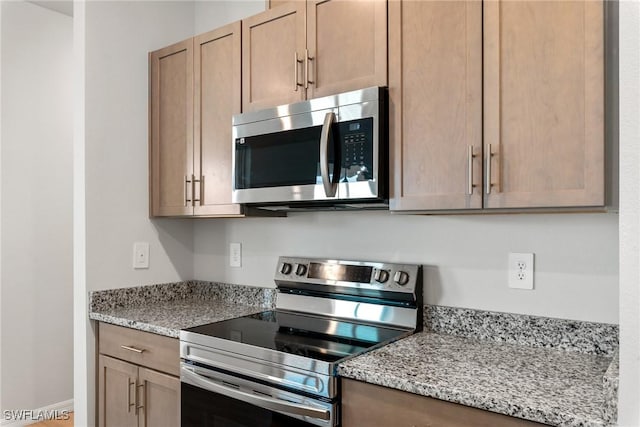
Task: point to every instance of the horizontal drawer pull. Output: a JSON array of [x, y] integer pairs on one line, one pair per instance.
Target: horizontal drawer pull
[[137, 350]]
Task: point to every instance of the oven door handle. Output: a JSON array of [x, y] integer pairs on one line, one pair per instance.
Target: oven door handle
[[329, 186], [262, 401]]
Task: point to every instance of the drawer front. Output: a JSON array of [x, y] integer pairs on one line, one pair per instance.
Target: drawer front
[[142, 348]]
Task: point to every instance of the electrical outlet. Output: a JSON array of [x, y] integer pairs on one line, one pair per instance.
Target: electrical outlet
[[235, 255], [140, 255], [521, 270]]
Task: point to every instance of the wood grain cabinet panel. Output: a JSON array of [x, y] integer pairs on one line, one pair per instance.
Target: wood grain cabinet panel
[[160, 399], [217, 68], [195, 91], [348, 43], [544, 103], [273, 44], [171, 128], [496, 105], [435, 90], [374, 406], [301, 50], [129, 393]]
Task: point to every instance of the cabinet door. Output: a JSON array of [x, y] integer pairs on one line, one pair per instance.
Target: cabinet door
[[217, 99], [116, 393], [171, 139], [435, 90], [273, 44], [348, 43], [374, 406], [158, 398], [544, 103]]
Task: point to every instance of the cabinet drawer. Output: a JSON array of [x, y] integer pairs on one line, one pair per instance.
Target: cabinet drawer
[[142, 348]]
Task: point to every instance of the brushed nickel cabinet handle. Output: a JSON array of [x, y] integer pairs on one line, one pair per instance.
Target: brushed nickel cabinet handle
[[135, 350], [193, 190], [129, 404], [488, 169], [201, 192], [187, 181], [143, 399], [307, 59], [296, 61], [470, 157]]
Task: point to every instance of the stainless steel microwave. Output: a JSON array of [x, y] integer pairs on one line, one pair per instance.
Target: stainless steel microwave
[[329, 152]]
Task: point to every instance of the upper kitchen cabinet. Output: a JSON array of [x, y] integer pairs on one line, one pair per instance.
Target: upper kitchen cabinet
[[301, 50], [544, 104], [171, 129], [435, 91], [195, 90], [217, 98], [496, 105]]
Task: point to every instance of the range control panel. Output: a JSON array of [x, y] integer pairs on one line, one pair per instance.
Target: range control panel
[[354, 274]]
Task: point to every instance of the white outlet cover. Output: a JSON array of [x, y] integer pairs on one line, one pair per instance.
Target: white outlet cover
[[140, 255], [235, 255], [521, 270]]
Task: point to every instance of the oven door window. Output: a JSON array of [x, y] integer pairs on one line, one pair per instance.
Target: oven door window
[[203, 408]]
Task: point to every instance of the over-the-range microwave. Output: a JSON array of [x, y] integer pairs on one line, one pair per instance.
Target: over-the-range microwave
[[329, 152]]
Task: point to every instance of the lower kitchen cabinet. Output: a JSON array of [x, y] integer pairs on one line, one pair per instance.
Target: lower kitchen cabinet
[[129, 392], [374, 406]]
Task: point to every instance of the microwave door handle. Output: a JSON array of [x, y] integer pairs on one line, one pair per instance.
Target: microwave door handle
[[329, 187]]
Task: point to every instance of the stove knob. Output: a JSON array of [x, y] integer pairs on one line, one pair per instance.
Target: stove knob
[[301, 269], [381, 276], [285, 268], [401, 278]]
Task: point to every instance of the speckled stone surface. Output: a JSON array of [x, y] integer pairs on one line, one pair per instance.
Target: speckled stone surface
[[545, 385], [611, 390], [167, 308], [569, 335]]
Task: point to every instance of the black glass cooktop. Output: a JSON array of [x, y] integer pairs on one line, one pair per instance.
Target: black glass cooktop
[[316, 337]]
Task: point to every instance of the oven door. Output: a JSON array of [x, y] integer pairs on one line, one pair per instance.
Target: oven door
[[210, 398]]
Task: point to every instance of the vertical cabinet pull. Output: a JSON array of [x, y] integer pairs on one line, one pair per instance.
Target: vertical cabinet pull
[[470, 157], [187, 181], [488, 169], [143, 400], [201, 192], [307, 79], [129, 403], [193, 190], [296, 61]]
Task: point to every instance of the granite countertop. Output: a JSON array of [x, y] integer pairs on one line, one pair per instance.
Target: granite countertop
[[169, 317], [165, 309], [552, 371], [545, 385]]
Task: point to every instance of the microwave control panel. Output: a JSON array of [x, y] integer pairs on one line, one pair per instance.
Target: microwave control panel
[[357, 150]]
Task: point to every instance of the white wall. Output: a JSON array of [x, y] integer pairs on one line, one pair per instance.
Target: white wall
[[629, 391], [211, 14], [119, 34], [576, 255], [113, 39], [36, 212]]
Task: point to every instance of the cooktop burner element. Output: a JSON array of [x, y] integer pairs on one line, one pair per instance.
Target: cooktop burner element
[[326, 311]]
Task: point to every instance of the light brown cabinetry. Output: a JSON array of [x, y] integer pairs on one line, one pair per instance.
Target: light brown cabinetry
[[374, 406], [195, 90], [310, 49], [518, 126], [138, 383]]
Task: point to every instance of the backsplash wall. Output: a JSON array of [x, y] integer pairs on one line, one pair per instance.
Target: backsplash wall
[[465, 256]]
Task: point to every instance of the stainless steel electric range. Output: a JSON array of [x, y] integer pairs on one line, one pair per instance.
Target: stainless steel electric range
[[278, 367]]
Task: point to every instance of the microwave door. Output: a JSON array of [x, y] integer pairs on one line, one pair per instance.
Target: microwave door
[[285, 166]]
